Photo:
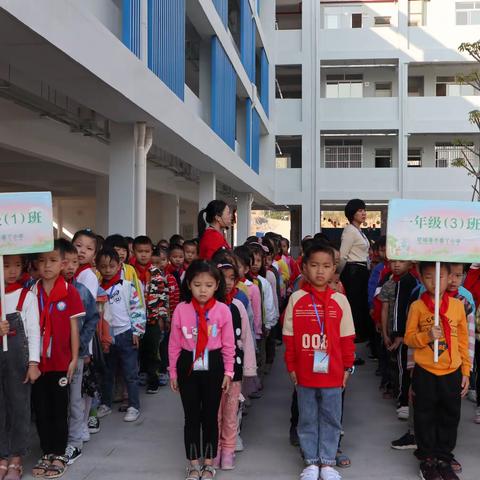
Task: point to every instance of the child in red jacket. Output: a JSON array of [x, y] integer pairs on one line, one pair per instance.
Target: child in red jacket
[[319, 338]]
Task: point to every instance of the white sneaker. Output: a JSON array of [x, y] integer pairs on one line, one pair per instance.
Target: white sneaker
[[131, 415], [239, 446], [329, 473], [403, 413], [310, 473], [103, 411]]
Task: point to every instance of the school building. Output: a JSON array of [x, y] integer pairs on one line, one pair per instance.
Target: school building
[[137, 113]]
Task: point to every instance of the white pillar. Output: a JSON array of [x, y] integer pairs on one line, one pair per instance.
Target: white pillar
[[244, 216], [101, 206], [170, 215], [308, 224], [58, 216], [121, 191], [144, 31], [207, 190], [402, 131]]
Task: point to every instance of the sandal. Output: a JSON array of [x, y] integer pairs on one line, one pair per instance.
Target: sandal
[[15, 472], [54, 470], [3, 470], [42, 465], [209, 469], [456, 467], [342, 460], [191, 469]]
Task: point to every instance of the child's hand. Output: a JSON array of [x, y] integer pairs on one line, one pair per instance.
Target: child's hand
[[435, 333], [465, 385], [346, 376], [174, 385], [293, 377], [4, 328], [71, 370], [387, 341], [33, 373], [161, 324], [87, 360], [136, 341], [396, 343], [226, 383]]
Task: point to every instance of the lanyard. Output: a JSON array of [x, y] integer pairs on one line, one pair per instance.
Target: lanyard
[[320, 323], [42, 303], [112, 292]]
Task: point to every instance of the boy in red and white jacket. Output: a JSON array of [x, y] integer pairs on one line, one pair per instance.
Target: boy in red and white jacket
[[319, 335]]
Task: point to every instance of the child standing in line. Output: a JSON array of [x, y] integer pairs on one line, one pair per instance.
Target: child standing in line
[[438, 387], [177, 262], [201, 354], [126, 317], [86, 326], [190, 250], [319, 338], [245, 364], [18, 368], [59, 306], [85, 241]]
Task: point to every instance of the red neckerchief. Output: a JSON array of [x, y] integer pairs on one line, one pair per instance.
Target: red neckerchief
[[25, 278], [185, 266], [230, 296], [243, 279], [278, 257], [322, 298], [430, 304], [202, 338], [143, 272], [59, 291], [452, 293], [81, 268], [107, 284], [396, 278]]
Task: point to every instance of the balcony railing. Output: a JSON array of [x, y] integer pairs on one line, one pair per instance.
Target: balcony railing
[[348, 156]]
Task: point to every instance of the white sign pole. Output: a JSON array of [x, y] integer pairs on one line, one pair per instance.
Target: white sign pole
[[437, 307], [2, 302]]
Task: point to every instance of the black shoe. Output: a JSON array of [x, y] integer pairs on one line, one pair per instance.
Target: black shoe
[[446, 471], [71, 454], [407, 442], [294, 440], [359, 361], [153, 389], [428, 470]]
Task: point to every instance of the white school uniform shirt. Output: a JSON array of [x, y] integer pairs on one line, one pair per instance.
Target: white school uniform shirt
[[31, 320], [271, 316], [89, 280], [272, 279]]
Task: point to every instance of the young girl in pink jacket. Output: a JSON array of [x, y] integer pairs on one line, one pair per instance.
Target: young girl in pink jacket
[[201, 353]]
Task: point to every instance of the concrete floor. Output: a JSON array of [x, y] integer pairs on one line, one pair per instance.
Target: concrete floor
[[152, 448]]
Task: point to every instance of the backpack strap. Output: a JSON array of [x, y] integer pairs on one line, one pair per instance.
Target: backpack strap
[[21, 299]]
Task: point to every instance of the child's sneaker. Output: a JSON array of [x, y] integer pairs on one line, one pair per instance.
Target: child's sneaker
[[72, 453], [406, 442], [228, 460], [446, 471], [329, 473], [472, 395], [103, 411], [163, 379], [403, 413], [428, 470], [217, 461], [131, 415], [239, 446], [153, 389], [310, 473], [477, 415], [93, 425]]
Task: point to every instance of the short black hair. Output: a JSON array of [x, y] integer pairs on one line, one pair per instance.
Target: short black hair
[[116, 241], [196, 268], [129, 240], [317, 247], [142, 240], [306, 242], [244, 255], [422, 266], [86, 232], [452, 264], [381, 242], [64, 246], [286, 240], [352, 207], [163, 251], [176, 239], [190, 243], [107, 253], [175, 246]]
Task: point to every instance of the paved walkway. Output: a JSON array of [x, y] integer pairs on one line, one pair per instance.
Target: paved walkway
[[152, 448]]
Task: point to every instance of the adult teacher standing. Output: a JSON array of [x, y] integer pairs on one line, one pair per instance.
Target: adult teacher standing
[[354, 255], [212, 221]]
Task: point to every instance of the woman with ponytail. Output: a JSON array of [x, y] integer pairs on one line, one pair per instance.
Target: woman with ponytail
[[211, 223]]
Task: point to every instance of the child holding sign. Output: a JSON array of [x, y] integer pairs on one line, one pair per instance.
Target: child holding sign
[[18, 368], [319, 334], [437, 386]]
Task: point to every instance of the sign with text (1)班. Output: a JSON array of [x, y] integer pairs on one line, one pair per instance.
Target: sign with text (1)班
[[433, 230], [26, 223]]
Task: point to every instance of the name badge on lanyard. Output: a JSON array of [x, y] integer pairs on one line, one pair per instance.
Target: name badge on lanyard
[[321, 358], [49, 349], [201, 364]]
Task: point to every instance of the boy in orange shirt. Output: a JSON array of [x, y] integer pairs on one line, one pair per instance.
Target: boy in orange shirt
[[437, 387]]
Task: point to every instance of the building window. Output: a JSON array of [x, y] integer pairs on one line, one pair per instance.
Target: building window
[[288, 15], [468, 13], [414, 157], [288, 81], [344, 86], [415, 86], [382, 21], [383, 157], [383, 89], [416, 13], [356, 20], [447, 153], [449, 87], [332, 21], [288, 150], [343, 153]]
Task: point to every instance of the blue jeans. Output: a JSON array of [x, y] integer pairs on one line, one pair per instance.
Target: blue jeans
[[319, 423], [122, 350]]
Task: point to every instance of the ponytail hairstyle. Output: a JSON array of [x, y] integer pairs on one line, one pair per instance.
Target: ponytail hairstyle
[[207, 215]]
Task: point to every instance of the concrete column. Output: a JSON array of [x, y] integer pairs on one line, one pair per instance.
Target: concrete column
[[58, 212], [295, 230], [244, 216], [402, 132], [121, 191], [308, 227], [170, 217], [101, 206], [207, 190]]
